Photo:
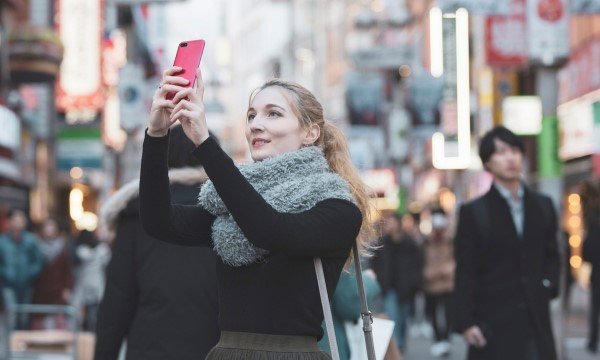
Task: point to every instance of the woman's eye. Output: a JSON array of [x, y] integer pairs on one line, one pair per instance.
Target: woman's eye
[[251, 116], [273, 114]]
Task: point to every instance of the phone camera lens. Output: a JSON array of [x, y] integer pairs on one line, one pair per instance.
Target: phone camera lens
[[184, 44]]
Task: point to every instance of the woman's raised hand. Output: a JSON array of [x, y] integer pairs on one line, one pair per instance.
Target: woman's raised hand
[[189, 110], [160, 112], [187, 107]]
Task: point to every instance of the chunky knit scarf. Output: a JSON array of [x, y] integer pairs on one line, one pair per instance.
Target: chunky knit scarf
[[292, 182]]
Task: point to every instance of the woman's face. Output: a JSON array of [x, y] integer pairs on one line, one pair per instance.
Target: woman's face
[[272, 127]]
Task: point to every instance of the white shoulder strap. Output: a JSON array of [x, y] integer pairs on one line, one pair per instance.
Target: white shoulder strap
[[326, 309]]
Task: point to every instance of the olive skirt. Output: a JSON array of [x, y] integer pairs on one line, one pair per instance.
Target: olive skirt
[[250, 346]]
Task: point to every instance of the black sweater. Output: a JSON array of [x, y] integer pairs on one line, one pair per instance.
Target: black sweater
[[280, 294]]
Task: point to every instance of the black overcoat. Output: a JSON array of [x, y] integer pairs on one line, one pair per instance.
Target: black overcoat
[[504, 282], [161, 298]]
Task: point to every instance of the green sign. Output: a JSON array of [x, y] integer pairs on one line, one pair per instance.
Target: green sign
[[549, 164], [402, 201], [79, 147]]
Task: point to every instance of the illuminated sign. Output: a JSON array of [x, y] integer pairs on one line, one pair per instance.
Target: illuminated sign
[[455, 26], [80, 25]]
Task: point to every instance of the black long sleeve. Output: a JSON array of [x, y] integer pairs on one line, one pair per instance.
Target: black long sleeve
[[179, 224], [325, 228]]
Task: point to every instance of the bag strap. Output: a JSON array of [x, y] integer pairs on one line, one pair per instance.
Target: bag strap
[[365, 314], [326, 309], [367, 317]]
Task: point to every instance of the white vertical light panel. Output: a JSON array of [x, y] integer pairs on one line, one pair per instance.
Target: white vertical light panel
[[463, 159]]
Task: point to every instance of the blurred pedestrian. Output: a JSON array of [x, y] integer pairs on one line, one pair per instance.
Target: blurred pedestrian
[[591, 254], [438, 280], [93, 256], [507, 261], [55, 283], [300, 199], [398, 265], [161, 298], [20, 262], [345, 307]]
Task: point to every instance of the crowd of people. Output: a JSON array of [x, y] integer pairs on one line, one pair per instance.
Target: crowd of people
[[45, 265]]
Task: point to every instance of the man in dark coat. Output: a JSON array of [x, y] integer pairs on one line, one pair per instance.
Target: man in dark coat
[[507, 261], [398, 265], [160, 298]]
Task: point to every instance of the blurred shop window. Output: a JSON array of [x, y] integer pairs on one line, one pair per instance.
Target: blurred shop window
[[364, 97]]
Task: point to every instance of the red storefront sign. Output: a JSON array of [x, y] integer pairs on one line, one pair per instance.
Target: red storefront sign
[[581, 74], [506, 37], [80, 25]]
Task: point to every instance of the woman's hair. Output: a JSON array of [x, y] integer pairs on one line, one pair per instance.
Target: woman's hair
[[335, 147]]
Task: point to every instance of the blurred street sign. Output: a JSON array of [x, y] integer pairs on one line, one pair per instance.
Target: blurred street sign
[[364, 93], [578, 126], [522, 114], [79, 146], [506, 37], [382, 57], [548, 31], [484, 7], [135, 2], [131, 96], [549, 163], [79, 87], [585, 6], [10, 136], [425, 93], [580, 75]]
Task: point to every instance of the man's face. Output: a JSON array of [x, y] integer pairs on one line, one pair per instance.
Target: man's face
[[50, 229], [506, 162], [17, 222]]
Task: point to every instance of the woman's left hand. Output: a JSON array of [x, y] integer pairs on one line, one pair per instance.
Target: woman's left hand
[[189, 111]]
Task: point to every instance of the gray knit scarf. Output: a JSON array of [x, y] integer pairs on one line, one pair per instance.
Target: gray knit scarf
[[290, 183]]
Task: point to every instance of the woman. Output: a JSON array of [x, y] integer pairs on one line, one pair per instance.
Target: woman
[[93, 256], [438, 281], [56, 279], [266, 220]]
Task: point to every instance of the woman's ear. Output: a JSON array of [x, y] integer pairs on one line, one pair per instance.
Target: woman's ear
[[312, 134]]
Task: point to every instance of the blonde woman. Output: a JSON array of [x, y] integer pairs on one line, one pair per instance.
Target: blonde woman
[[301, 198]]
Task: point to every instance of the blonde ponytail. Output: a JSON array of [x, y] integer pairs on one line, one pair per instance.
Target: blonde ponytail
[[333, 142], [334, 145]]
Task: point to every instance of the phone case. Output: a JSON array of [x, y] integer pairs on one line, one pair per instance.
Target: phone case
[[189, 54]]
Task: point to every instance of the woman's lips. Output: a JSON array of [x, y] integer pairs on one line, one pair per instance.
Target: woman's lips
[[259, 143]]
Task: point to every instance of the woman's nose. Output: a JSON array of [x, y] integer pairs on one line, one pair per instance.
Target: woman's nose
[[256, 125]]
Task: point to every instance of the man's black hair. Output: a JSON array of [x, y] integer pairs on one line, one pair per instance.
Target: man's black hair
[[180, 149], [487, 147]]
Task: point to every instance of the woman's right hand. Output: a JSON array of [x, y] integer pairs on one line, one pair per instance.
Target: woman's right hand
[[160, 112]]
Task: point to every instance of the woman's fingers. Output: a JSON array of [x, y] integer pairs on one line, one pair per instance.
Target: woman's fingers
[[167, 88], [183, 94], [181, 114], [173, 70], [183, 104], [163, 103], [175, 80]]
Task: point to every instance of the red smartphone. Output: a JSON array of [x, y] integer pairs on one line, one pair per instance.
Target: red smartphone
[[188, 58]]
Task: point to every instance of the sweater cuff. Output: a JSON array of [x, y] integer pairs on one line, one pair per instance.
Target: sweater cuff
[[207, 150], [156, 139]]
